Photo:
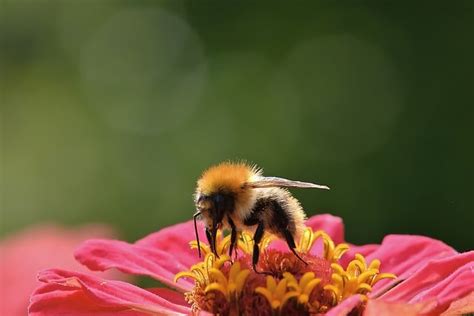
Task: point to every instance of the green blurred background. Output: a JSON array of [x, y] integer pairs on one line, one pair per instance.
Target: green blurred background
[[110, 111]]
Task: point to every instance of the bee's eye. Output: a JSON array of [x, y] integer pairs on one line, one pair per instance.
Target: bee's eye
[[223, 202], [202, 198], [218, 199], [203, 203]]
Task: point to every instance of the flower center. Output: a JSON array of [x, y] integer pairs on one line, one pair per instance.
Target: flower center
[[230, 287]]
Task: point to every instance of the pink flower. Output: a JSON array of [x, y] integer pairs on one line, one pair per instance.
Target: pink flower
[[432, 278], [27, 252]]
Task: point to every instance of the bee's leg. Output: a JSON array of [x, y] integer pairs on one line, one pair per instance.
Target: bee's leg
[[291, 244], [214, 238], [257, 237], [211, 238], [233, 237]]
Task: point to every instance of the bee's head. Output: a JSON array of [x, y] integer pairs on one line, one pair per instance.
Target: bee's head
[[214, 206], [221, 189]]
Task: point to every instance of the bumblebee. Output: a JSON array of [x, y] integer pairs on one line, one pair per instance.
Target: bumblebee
[[236, 197]]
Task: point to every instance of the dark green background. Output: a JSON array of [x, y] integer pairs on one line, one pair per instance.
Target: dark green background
[[111, 111]]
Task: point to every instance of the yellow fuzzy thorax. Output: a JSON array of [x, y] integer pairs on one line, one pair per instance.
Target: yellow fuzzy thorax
[[226, 176]]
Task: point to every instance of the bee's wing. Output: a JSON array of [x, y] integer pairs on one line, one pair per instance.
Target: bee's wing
[[268, 182]]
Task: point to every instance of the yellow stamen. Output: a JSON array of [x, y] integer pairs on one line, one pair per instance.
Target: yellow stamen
[[245, 242], [232, 286], [222, 244], [276, 293], [306, 292], [304, 287], [381, 276], [358, 278], [306, 241], [200, 272], [331, 252]]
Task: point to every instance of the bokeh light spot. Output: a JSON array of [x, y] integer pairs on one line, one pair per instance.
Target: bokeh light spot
[[144, 70]]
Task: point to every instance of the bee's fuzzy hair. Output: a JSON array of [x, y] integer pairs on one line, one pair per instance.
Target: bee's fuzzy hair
[[227, 176], [231, 177]]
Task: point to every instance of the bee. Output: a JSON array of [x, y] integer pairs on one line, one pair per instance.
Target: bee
[[236, 197]]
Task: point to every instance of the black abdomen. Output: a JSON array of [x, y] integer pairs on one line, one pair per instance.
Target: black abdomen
[[273, 214]]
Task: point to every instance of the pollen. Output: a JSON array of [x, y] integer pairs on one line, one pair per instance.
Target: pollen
[[226, 286]]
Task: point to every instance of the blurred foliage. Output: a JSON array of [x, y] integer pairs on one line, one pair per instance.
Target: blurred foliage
[[111, 110]]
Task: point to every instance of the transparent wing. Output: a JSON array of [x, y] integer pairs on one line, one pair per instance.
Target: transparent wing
[[268, 182]]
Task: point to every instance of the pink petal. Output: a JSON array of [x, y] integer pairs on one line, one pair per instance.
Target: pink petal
[[100, 255], [170, 295], [378, 307], [364, 250], [35, 248], [403, 255], [440, 280], [462, 306], [176, 298], [55, 299], [95, 293], [332, 225], [346, 306], [175, 239]]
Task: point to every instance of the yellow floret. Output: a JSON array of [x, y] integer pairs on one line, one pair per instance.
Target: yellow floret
[[232, 286]]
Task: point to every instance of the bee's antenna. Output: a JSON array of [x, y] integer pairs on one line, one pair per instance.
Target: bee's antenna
[[196, 232]]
